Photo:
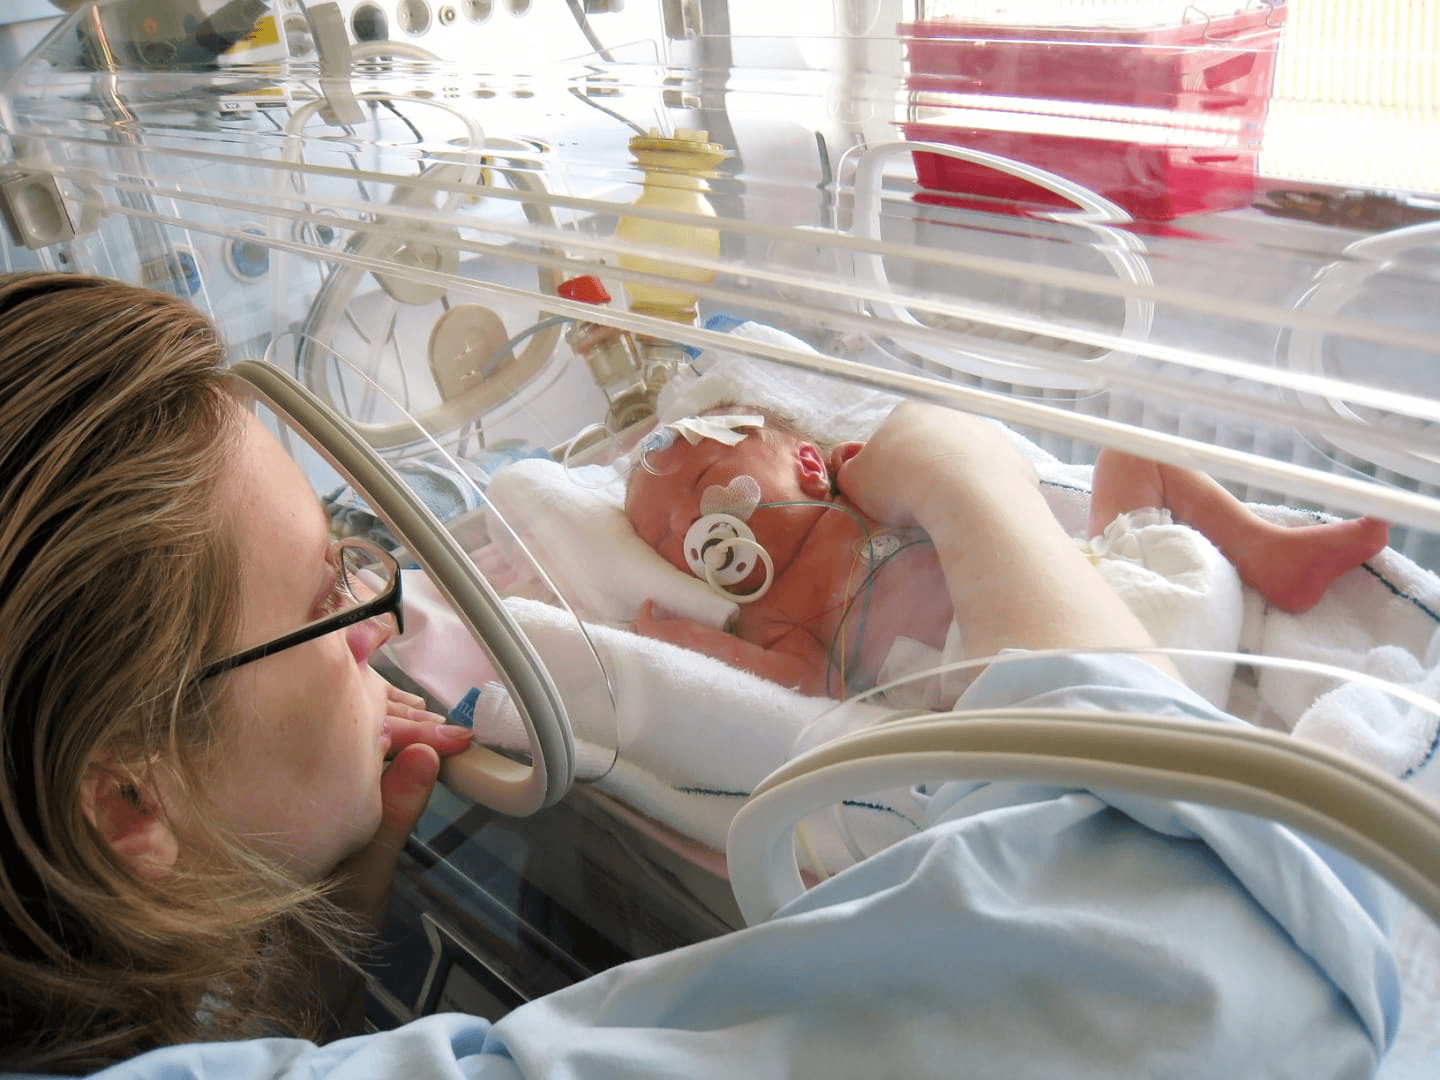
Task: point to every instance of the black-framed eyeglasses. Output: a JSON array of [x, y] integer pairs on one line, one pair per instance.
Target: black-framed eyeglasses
[[367, 586]]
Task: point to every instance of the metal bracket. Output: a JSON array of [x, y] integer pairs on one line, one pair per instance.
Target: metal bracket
[[1272, 9], [327, 27], [682, 19]]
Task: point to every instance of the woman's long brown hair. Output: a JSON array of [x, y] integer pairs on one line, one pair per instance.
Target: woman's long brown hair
[[117, 583]]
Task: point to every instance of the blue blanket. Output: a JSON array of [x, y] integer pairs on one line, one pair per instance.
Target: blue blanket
[[1029, 931]]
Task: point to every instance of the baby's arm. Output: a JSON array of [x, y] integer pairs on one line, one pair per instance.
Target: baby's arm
[[795, 660]]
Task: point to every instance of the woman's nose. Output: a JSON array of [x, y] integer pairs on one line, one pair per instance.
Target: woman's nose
[[367, 636]]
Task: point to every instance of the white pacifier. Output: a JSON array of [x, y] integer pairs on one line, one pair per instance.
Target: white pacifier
[[723, 550]]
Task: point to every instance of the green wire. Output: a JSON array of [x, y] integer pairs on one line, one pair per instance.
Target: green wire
[[867, 585]]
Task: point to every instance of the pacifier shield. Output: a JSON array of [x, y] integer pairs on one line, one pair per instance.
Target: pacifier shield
[[739, 498], [706, 549]]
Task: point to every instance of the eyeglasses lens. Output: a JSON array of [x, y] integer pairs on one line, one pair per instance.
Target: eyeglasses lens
[[364, 576]]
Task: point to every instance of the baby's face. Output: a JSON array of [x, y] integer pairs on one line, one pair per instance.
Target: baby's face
[[662, 505]]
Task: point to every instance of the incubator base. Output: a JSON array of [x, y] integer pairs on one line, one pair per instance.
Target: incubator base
[[490, 911]]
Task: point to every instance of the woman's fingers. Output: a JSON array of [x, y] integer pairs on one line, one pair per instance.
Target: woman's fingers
[[444, 738], [410, 723], [402, 702], [404, 791]]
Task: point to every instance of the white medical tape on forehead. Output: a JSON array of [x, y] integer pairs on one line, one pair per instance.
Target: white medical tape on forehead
[[727, 430], [738, 498]]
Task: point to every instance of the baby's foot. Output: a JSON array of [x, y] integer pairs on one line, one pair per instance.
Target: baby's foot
[[1292, 568]]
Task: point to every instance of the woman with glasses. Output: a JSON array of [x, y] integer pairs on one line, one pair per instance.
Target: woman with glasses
[[197, 819], [193, 742]]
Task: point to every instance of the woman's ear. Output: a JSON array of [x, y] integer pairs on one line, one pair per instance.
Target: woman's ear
[[130, 817]]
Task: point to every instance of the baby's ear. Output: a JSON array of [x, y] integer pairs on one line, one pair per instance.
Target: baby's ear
[[814, 476], [129, 815]]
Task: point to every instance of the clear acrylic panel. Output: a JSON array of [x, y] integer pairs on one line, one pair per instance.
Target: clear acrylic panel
[[822, 211]]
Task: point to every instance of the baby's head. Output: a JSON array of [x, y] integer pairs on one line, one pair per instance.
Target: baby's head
[[774, 478]]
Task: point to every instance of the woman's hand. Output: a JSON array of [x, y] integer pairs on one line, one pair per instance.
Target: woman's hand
[[418, 739], [925, 462]]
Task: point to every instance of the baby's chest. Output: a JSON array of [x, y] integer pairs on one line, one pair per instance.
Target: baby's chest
[[909, 598], [794, 604], [860, 606], [905, 597]]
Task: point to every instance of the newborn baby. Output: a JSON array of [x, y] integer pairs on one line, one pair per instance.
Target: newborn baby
[[746, 501]]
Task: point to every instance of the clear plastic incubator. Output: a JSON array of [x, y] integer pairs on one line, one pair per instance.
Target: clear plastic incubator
[[534, 289]]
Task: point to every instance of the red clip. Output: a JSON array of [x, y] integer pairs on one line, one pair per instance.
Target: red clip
[[587, 290]]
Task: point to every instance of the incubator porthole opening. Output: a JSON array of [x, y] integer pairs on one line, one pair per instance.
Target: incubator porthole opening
[[298, 39], [518, 7], [478, 10], [318, 233], [157, 54], [368, 23], [247, 259], [413, 16]]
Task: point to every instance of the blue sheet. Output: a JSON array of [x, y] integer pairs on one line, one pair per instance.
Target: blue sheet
[[1030, 931]]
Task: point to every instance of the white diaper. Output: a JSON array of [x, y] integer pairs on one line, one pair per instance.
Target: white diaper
[[1185, 593]]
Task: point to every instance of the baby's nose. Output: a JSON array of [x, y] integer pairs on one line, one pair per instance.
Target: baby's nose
[[365, 637]]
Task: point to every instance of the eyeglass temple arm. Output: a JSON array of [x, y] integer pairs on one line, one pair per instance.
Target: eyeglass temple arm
[[386, 603]]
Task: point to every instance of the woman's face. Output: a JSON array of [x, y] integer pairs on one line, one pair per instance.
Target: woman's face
[[297, 774]]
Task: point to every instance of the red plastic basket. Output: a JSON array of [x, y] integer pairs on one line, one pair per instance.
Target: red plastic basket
[[1176, 110]]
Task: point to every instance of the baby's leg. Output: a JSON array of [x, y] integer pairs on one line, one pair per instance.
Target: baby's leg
[[1289, 567]]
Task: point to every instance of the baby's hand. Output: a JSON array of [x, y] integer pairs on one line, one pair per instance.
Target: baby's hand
[[796, 661], [687, 633]]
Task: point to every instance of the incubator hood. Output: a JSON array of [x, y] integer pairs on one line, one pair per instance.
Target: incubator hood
[[472, 255]]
